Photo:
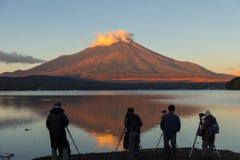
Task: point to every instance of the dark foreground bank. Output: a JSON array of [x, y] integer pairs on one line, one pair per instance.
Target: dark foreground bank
[[152, 154]]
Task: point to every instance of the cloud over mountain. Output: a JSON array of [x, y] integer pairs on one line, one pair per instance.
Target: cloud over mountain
[[14, 57], [112, 37]]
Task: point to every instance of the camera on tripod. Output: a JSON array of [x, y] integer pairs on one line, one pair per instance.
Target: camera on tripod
[[201, 116], [163, 111]]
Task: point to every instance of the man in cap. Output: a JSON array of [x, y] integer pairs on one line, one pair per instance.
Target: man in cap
[[207, 137], [133, 123], [170, 125], [56, 123]]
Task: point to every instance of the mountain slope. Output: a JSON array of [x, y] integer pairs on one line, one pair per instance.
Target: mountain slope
[[120, 61]]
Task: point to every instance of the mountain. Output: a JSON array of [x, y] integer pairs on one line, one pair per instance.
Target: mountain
[[122, 61]]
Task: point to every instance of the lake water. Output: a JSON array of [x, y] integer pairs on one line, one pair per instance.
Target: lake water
[[96, 118]]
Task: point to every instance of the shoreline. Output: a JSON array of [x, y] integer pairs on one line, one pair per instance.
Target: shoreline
[[151, 154]]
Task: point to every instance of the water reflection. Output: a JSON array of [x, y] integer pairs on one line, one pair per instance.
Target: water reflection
[[97, 117], [9, 119], [19, 111], [96, 114], [101, 114]]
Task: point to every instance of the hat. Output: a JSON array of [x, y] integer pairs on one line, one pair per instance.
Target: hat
[[207, 113], [57, 104], [131, 109]]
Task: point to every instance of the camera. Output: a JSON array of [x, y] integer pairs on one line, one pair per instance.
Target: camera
[[163, 111], [201, 115]]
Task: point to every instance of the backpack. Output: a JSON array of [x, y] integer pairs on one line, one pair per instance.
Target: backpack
[[214, 128]]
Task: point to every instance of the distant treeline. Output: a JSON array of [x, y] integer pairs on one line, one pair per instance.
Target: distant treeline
[[70, 83]]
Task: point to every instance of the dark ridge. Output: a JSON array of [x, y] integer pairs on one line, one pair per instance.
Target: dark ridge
[[72, 83]]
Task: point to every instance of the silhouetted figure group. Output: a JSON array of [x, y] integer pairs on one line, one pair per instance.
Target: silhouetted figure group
[[170, 124]]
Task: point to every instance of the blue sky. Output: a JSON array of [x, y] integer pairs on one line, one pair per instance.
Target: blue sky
[[206, 32]]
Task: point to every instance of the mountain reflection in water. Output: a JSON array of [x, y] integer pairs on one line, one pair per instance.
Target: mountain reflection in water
[[96, 114], [104, 114], [96, 118]]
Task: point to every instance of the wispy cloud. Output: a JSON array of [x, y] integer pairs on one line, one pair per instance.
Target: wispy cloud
[[14, 57]]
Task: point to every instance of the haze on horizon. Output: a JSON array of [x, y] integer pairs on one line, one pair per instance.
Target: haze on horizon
[[202, 32]]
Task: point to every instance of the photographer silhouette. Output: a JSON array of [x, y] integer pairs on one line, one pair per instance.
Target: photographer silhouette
[[170, 125], [208, 137]]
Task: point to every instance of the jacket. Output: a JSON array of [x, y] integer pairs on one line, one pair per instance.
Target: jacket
[[133, 122], [170, 122], [204, 129], [56, 123]]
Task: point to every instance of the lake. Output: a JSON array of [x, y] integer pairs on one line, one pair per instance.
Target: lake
[[96, 118]]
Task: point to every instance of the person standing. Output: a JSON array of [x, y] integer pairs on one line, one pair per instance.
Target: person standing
[[208, 138], [133, 123], [56, 123], [170, 125]]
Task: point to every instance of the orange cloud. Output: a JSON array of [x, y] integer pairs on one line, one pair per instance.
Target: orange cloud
[[112, 37], [235, 73]]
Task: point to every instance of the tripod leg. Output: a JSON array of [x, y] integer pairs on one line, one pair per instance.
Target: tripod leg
[[217, 152], [195, 137], [193, 146], [120, 138], [159, 141]]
